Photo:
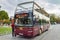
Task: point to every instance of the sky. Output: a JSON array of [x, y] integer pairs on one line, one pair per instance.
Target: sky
[[51, 6]]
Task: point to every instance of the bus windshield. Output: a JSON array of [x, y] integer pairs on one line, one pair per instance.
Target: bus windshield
[[22, 20]]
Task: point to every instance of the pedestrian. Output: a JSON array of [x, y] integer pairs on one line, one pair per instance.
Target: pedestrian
[[12, 25], [12, 29]]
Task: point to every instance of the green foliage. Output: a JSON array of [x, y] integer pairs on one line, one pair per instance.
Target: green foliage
[[54, 18], [3, 15], [5, 30], [6, 21], [58, 19]]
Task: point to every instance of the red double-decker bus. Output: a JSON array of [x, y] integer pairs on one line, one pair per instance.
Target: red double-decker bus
[[29, 19]]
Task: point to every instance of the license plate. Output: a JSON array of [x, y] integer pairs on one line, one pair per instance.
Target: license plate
[[21, 33]]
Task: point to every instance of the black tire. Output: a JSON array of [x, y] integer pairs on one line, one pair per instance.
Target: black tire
[[47, 30]]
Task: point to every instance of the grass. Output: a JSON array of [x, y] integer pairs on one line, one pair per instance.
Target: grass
[[5, 30]]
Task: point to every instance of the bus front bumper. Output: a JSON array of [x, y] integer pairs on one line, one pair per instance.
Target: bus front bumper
[[29, 34]]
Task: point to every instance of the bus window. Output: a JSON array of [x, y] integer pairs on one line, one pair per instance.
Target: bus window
[[39, 21], [26, 21], [44, 22]]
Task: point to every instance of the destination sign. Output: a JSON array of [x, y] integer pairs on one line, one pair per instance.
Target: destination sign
[[21, 15]]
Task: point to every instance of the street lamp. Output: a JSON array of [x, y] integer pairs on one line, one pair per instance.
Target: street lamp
[[0, 7]]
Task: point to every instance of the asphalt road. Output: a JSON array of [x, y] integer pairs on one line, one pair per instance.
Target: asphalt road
[[52, 34]]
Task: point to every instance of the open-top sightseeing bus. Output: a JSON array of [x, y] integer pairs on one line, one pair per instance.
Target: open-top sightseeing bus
[[29, 19]]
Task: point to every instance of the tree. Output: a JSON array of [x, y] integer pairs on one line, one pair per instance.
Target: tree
[[3, 15], [58, 19], [53, 18], [6, 21]]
